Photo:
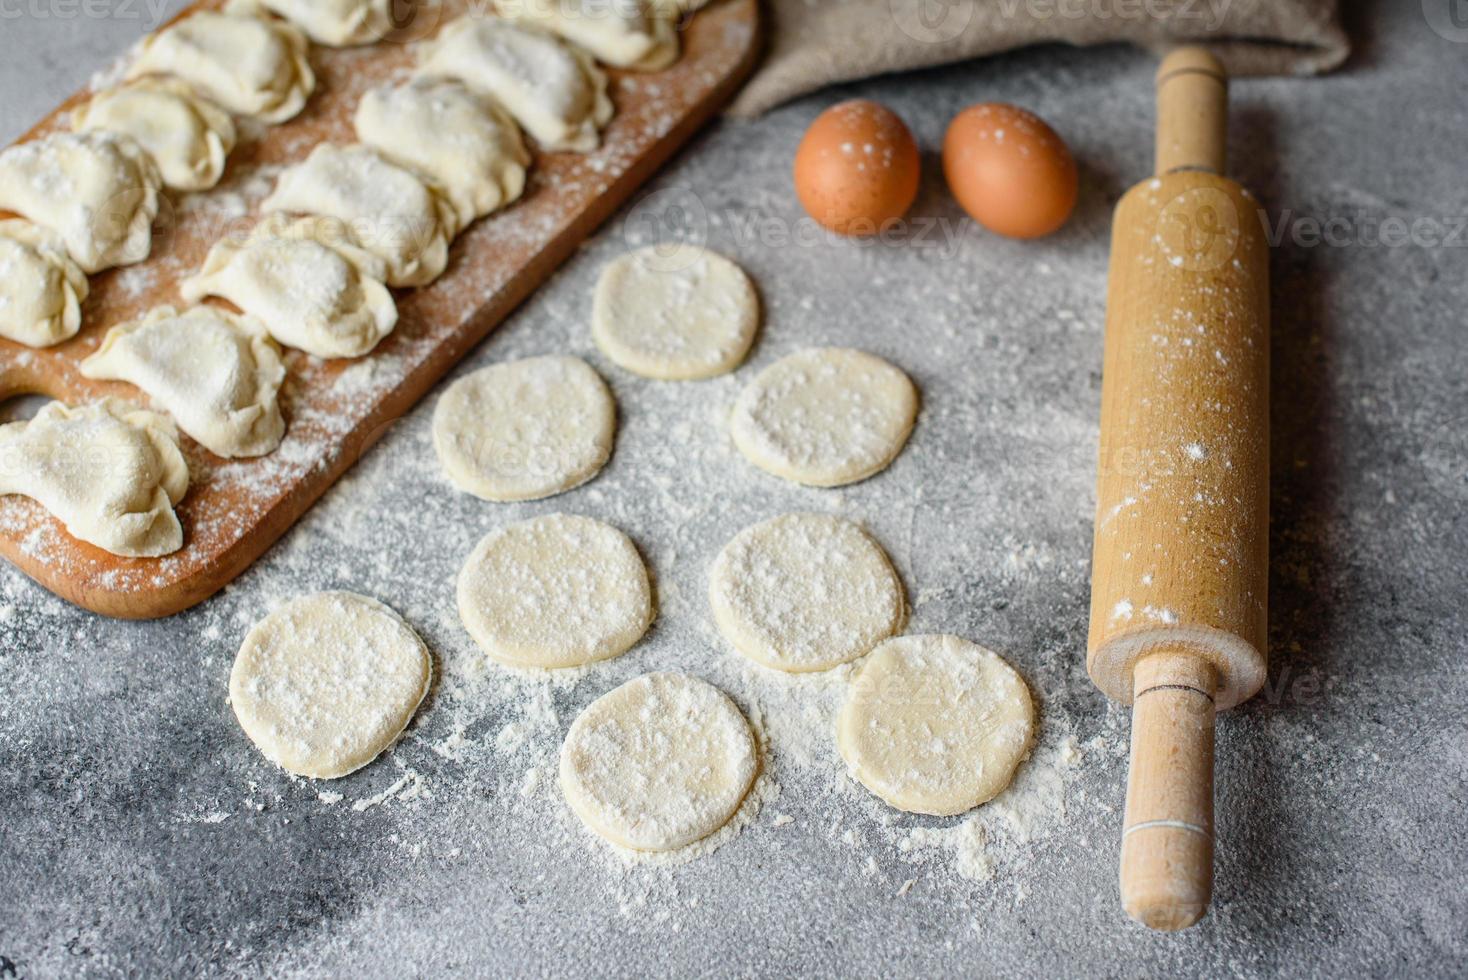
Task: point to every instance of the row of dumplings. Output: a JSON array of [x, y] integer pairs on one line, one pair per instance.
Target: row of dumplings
[[435, 153], [88, 198]]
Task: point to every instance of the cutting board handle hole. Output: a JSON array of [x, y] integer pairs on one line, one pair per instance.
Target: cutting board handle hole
[[17, 407]]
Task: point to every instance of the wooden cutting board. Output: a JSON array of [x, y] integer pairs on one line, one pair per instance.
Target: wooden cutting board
[[336, 409]]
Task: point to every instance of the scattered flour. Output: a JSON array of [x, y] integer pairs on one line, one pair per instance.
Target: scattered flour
[[488, 738], [408, 786]]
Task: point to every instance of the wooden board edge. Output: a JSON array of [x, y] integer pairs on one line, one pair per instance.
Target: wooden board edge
[[189, 591]]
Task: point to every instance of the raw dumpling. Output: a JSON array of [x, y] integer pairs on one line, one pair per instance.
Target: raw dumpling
[[553, 90], [41, 288], [337, 23], [677, 9], [460, 142], [188, 137], [388, 211], [624, 34], [98, 191], [305, 282], [250, 65], [217, 373], [111, 473]]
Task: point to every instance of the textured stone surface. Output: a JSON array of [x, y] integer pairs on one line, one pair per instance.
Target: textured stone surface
[[143, 834]]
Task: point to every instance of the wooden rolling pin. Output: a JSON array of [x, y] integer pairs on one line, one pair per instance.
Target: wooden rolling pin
[[1180, 568]]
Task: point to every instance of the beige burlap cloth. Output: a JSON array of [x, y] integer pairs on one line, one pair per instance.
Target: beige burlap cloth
[[812, 43]]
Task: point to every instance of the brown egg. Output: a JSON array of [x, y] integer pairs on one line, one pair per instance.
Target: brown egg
[[1012, 173], [856, 169]]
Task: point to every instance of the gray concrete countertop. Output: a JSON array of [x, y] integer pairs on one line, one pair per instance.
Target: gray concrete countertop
[[142, 834]]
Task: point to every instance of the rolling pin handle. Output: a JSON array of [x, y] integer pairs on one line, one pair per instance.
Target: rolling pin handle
[[1192, 112], [1167, 846]]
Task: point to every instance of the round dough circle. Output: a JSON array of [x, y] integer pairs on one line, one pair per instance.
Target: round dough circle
[[326, 682], [935, 724], [658, 763], [804, 592], [680, 316], [555, 591], [525, 429], [825, 417]]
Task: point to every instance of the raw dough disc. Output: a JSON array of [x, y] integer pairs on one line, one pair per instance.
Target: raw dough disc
[[825, 416], [935, 724], [555, 591], [326, 682], [677, 317], [525, 429], [658, 763], [804, 592]]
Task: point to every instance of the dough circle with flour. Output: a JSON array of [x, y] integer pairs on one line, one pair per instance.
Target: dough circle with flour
[[525, 429], [804, 592], [555, 591], [326, 682], [676, 316], [658, 763], [825, 417], [935, 724]]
